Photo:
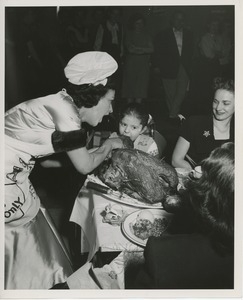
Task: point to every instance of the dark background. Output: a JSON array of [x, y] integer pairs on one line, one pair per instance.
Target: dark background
[[51, 23]]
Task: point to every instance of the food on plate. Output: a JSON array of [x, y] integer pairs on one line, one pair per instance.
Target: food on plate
[[139, 175], [145, 214], [146, 226], [142, 228]]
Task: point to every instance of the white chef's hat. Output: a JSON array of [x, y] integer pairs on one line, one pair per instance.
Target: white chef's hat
[[92, 67]]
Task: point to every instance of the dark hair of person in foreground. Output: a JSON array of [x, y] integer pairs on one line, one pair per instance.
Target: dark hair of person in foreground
[[212, 197], [197, 252]]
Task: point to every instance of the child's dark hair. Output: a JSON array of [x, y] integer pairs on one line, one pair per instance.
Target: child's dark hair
[[88, 95], [140, 112], [136, 110]]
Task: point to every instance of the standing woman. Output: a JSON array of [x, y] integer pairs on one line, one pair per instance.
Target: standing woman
[[206, 67], [35, 257], [201, 134]]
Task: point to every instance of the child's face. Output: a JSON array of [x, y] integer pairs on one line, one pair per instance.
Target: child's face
[[130, 126]]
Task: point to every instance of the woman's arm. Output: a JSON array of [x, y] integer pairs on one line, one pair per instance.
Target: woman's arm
[[70, 138], [179, 153], [85, 162]]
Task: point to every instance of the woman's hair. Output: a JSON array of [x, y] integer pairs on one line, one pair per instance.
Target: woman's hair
[[224, 84], [212, 196], [136, 110], [88, 95]]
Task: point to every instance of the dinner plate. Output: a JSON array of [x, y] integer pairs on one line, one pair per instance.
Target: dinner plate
[[124, 199], [131, 220]]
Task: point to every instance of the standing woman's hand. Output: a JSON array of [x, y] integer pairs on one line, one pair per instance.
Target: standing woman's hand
[[119, 142], [113, 143]]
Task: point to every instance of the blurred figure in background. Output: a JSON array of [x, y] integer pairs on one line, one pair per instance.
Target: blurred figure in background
[[226, 40], [173, 53], [95, 21], [109, 37], [206, 67], [30, 53], [38, 55], [77, 33], [138, 49]]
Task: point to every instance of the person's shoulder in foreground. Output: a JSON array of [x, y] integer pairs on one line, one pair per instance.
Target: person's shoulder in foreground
[[184, 261], [204, 258]]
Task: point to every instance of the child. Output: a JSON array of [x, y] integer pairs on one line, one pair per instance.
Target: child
[[137, 124]]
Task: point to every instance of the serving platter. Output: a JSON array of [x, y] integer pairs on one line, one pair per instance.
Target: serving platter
[[130, 220], [123, 198]]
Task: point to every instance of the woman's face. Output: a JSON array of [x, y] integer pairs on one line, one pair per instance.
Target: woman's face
[[223, 105], [94, 115], [130, 126]]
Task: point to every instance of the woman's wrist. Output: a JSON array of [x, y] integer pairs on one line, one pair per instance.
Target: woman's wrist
[[107, 145]]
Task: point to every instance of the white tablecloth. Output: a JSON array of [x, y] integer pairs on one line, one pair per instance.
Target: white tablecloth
[[87, 212], [110, 276]]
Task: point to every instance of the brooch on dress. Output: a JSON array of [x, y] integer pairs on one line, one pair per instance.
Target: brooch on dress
[[206, 133]]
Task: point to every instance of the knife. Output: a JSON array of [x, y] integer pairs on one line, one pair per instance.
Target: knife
[[102, 189]]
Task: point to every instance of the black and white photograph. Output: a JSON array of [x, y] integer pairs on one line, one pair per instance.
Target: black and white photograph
[[122, 144]]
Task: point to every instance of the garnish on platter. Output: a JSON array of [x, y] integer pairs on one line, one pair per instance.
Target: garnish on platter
[[113, 216]]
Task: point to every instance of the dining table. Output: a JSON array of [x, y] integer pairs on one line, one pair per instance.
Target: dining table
[[101, 236], [89, 209], [98, 235]]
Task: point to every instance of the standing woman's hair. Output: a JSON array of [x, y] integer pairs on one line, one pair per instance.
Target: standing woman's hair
[[212, 196], [89, 77], [88, 95]]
